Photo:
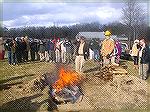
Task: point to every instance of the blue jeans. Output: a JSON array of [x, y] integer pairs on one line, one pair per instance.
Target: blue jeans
[[9, 57], [14, 58], [96, 54]]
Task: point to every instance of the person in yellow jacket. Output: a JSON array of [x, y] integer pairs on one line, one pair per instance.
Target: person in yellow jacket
[[107, 48], [135, 52]]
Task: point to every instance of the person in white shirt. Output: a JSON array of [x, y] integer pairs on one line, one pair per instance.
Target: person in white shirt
[[63, 51]]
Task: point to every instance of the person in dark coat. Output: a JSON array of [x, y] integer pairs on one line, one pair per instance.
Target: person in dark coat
[[23, 47], [18, 51], [33, 50], [144, 59], [69, 51], [82, 53], [51, 51]]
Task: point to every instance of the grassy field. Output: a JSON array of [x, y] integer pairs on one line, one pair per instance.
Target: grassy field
[[10, 76]]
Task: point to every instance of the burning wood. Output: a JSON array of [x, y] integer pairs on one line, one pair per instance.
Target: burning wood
[[67, 85], [66, 78], [63, 88]]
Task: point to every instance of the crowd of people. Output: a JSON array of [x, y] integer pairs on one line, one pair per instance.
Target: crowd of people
[[59, 50], [141, 57], [66, 51], [20, 50]]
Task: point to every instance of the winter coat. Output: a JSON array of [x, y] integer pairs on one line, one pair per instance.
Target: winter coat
[[47, 46], [145, 59], [107, 47], [85, 50], [51, 46], [27, 46], [135, 50], [7, 45], [41, 48], [13, 47], [93, 45], [23, 46], [33, 46], [69, 47], [118, 48]]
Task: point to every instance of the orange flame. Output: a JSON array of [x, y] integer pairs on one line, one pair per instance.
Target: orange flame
[[66, 77]]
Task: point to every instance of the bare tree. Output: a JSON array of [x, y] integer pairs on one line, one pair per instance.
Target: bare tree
[[133, 17]]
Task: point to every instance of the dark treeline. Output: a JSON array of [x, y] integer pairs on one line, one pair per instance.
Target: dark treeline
[[67, 31]]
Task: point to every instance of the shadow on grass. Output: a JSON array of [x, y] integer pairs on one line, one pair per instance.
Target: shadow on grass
[[8, 86], [29, 62], [24, 104], [15, 78]]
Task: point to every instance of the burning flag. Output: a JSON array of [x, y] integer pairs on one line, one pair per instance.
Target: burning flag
[[67, 85], [66, 78]]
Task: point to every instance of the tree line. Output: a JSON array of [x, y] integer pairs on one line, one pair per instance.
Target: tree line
[[133, 25], [68, 31]]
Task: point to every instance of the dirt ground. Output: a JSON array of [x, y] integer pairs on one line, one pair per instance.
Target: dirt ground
[[124, 93]]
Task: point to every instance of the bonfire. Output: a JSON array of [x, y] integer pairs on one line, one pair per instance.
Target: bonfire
[[67, 86]]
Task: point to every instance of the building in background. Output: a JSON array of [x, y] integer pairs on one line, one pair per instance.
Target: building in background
[[100, 36]]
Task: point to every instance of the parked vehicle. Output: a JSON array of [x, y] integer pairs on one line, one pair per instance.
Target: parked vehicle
[[125, 51]]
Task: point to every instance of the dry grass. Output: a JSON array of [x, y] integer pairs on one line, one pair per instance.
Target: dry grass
[[12, 76]]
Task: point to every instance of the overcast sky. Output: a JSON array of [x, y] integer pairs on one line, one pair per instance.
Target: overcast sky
[[48, 14]]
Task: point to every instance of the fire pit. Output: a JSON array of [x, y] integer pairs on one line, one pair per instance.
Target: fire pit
[[67, 86], [63, 88]]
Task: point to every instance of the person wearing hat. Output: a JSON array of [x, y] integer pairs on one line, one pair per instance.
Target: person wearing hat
[[81, 54], [135, 52], [107, 48]]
